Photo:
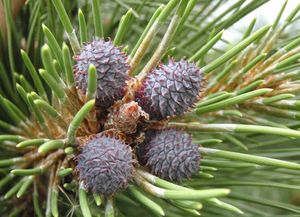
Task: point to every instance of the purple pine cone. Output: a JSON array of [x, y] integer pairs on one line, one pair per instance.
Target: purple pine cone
[[105, 165], [170, 90], [111, 67], [169, 154]]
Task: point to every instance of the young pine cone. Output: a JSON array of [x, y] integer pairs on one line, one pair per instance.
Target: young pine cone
[[170, 90], [169, 154], [111, 67], [105, 164]]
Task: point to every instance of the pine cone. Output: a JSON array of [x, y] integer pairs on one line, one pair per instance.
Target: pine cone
[[170, 90], [111, 67], [169, 154], [105, 164]]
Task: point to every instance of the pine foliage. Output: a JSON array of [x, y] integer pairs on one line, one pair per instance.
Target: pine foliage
[[246, 119]]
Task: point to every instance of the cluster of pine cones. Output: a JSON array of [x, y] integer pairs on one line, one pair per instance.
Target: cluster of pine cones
[[132, 116]]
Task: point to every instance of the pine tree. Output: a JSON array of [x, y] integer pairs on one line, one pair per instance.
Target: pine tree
[[128, 108]]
